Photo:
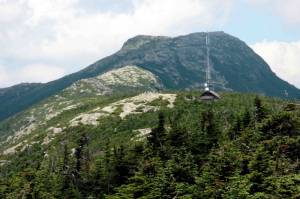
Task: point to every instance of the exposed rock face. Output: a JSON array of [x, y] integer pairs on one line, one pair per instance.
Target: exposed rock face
[[180, 63], [121, 80], [129, 76], [133, 77], [141, 103], [133, 105], [139, 41]]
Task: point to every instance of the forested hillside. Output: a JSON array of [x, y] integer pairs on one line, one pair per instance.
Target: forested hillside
[[242, 146]]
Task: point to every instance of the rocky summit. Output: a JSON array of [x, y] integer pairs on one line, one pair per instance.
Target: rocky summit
[[179, 63]]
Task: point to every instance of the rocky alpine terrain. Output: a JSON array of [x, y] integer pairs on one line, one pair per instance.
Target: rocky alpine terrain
[[179, 62]]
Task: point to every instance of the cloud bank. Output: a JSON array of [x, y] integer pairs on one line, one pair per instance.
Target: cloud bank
[[42, 40], [34, 73], [74, 33], [283, 57], [287, 9]]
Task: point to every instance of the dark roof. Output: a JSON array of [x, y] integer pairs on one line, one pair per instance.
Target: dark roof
[[209, 95]]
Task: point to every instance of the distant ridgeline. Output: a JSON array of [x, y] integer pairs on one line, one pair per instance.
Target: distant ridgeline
[[178, 62]]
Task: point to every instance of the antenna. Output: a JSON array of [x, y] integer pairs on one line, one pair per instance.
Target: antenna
[[286, 93], [208, 95], [207, 84]]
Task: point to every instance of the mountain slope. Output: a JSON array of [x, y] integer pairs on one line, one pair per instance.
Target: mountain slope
[[161, 144], [16, 94], [179, 63], [80, 96]]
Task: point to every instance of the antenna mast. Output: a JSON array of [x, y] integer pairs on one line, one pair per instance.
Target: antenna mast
[[208, 95], [207, 84]]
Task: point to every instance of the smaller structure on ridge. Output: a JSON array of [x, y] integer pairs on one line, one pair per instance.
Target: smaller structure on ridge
[[208, 95]]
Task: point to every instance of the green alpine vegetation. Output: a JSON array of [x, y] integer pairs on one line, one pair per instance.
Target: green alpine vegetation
[[161, 145]]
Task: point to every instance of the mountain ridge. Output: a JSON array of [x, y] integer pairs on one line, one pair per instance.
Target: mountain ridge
[[128, 79], [180, 64]]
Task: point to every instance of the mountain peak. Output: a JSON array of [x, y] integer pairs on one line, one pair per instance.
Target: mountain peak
[[139, 40], [178, 62]]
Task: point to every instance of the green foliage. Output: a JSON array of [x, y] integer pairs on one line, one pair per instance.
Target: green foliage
[[281, 124], [237, 147], [260, 112]]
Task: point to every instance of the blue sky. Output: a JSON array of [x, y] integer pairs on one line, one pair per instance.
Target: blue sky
[[42, 40], [253, 24]]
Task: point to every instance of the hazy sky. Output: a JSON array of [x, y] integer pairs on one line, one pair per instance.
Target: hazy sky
[[41, 40]]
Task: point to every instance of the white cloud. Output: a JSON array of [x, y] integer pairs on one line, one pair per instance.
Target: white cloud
[[66, 33], [37, 36], [30, 73], [9, 11], [283, 58], [40, 72], [3, 77], [288, 9]]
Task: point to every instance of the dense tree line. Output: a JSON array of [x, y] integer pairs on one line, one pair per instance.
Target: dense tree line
[[255, 156]]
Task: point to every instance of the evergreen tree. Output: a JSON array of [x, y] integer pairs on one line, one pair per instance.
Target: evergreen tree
[[157, 137], [246, 119], [260, 112], [177, 137], [108, 168], [260, 169], [66, 174], [81, 170], [209, 126], [121, 167], [98, 179], [45, 183], [237, 128], [79, 156]]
